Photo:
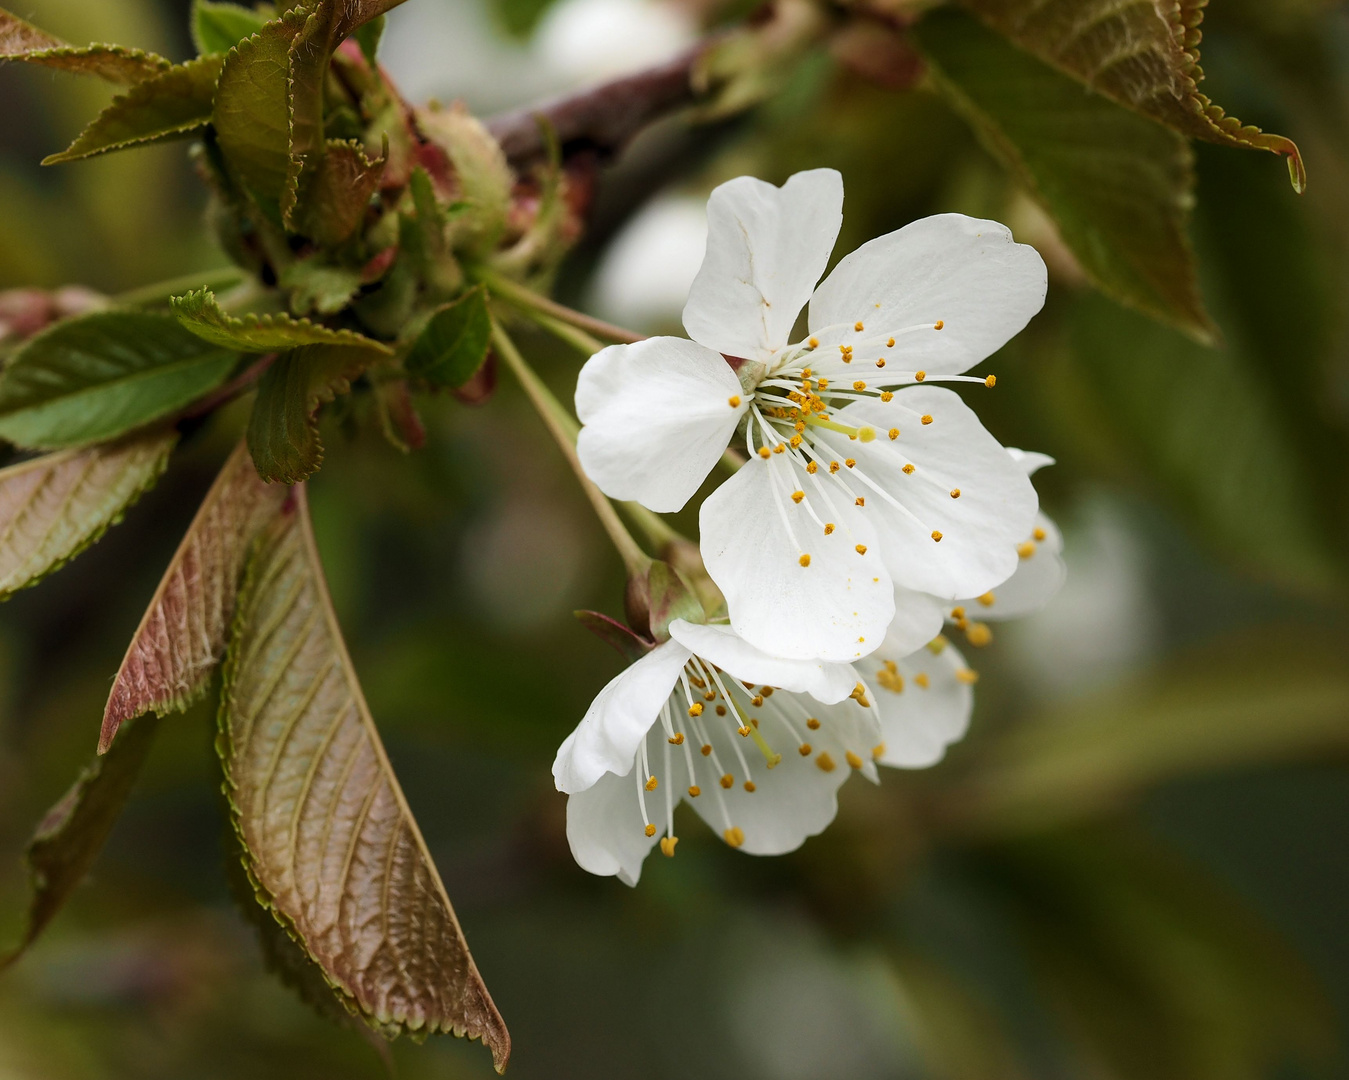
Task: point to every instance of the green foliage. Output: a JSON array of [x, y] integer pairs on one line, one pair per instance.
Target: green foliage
[[53, 507], [670, 597], [22, 41], [218, 26], [292, 707], [1144, 55], [317, 286], [165, 670], [454, 343], [73, 832], [283, 432], [335, 193], [171, 104], [101, 375], [199, 313], [368, 38], [1118, 186]]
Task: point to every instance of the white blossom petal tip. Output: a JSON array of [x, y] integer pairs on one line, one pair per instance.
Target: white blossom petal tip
[[924, 701]]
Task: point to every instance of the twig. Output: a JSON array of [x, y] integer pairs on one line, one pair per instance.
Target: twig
[[230, 390]]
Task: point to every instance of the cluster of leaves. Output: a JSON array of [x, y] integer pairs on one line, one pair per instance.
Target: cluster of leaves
[[364, 230]]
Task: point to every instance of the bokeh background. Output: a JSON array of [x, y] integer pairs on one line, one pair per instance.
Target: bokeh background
[[1136, 867]]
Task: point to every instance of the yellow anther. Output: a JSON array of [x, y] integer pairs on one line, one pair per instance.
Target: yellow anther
[[955, 493], [919, 376], [861, 549], [890, 344], [833, 466], [743, 731], [667, 846], [650, 783], [859, 693], [991, 381], [696, 709], [824, 383], [650, 830], [936, 645], [926, 418], [766, 691], [812, 468], [699, 683], [797, 496], [695, 791], [779, 448], [922, 680], [805, 373], [733, 401], [858, 327], [804, 749], [728, 781], [859, 385], [866, 434], [936, 535], [908, 469], [813, 724], [795, 440], [1026, 550], [750, 786], [804, 560], [1039, 534], [733, 836], [825, 762], [967, 676], [878, 751], [890, 678], [978, 634], [853, 759], [814, 343], [850, 462], [756, 700], [893, 433], [938, 324], [706, 749], [721, 710], [764, 451], [987, 599], [677, 739], [828, 527], [887, 396], [711, 695], [957, 613], [880, 362], [860, 501]]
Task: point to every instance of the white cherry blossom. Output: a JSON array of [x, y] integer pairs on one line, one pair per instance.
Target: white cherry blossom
[[859, 480], [758, 746]]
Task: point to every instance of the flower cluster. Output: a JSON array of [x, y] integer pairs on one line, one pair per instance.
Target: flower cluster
[[871, 506]]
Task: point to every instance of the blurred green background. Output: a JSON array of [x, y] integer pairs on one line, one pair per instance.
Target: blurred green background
[[1135, 867]]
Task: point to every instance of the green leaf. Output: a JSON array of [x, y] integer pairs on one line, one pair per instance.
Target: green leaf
[[199, 313], [482, 176], [283, 433], [22, 41], [1118, 186], [319, 286], [95, 377], [368, 38], [335, 193], [218, 27], [72, 834], [330, 845], [53, 507], [169, 105], [454, 344], [1144, 55], [181, 637]]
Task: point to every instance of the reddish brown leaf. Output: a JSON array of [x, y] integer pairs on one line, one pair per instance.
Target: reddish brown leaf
[[181, 637]]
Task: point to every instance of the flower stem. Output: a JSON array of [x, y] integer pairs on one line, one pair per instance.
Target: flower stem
[[530, 301], [578, 339], [564, 429]]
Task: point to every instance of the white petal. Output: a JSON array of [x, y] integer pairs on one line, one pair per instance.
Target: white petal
[[979, 529], [797, 798], [766, 249], [964, 272], [606, 739], [605, 828], [726, 649], [837, 607], [918, 722], [1039, 574], [1030, 460], [657, 416], [918, 619]]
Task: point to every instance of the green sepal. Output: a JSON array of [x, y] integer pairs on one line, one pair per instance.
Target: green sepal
[[670, 597], [629, 645]]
